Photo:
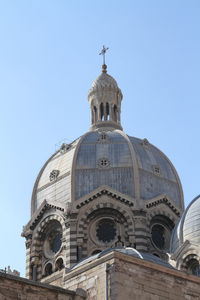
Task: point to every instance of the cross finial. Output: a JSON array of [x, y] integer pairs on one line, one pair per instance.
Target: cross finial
[[103, 52]]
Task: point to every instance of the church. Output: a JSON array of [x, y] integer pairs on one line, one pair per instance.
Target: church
[[108, 218]]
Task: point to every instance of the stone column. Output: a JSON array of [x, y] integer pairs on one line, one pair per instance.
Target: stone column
[[141, 236]]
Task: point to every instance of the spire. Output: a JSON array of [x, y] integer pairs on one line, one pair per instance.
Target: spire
[[103, 53], [105, 100]]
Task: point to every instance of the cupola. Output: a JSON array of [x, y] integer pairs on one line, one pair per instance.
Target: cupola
[[105, 102]]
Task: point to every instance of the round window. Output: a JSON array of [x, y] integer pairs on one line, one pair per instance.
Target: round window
[[53, 239], [103, 163], [106, 230], [55, 242]]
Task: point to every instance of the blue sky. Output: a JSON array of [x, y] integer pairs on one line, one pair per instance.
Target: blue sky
[[48, 60]]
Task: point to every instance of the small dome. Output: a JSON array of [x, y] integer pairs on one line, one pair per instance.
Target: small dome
[[105, 102], [128, 251], [104, 81], [188, 227]]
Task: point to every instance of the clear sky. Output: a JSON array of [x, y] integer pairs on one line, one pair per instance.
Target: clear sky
[[48, 60]]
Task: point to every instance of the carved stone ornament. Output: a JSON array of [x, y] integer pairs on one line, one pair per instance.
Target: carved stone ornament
[[64, 147], [145, 142], [103, 162], [53, 175], [102, 137]]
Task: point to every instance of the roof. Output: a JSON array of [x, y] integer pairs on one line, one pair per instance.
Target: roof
[[128, 251], [77, 171]]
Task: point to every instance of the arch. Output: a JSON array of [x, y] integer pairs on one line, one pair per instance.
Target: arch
[[190, 263], [164, 212], [107, 111], [106, 207], [161, 227], [48, 269], [59, 264], [115, 111], [189, 254], [89, 208], [101, 111], [42, 225], [94, 120], [38, 240]]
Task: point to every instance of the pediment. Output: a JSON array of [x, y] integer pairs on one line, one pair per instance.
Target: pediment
[[104, 190], [163, 199], [38, 214]]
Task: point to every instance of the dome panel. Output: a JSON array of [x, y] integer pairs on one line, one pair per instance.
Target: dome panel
[[188, 228], [91, 172], [191, 225], [153, 185], [119, 179]]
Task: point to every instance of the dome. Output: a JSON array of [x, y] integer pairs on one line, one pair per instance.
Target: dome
[[128, 251], [104, 81], [188, 228], [104, 190], [107, 159], [105, 101]]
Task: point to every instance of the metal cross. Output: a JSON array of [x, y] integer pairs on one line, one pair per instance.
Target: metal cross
[[103, 52]]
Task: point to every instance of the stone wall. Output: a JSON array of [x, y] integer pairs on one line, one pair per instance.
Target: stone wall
[[117, 276], [17, 288], [92, 280]]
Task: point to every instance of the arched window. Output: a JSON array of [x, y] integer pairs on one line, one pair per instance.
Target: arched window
[[115, 113], [52, 239], [158, 236], [193, 267], [107, 111], [48, 269], [101, 111], [94, 114], [161, 228], [59, 264]]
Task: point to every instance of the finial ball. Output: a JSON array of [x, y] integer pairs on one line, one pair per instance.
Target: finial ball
[[104, 68]]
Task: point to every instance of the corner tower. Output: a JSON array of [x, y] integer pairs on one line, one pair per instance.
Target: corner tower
[[104, 190]]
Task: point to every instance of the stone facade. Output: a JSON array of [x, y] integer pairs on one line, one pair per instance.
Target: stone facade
[[117, 276], [15, 288]]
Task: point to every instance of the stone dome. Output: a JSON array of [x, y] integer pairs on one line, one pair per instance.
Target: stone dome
[[104, 190], [107, 159], [104, 81], [188, 228]]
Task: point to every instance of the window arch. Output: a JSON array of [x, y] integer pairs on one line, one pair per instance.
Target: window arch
[[115, 112], [48, 270], [161, 228], [191, 265], [59, 265], [101, 111], [107, 111]]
